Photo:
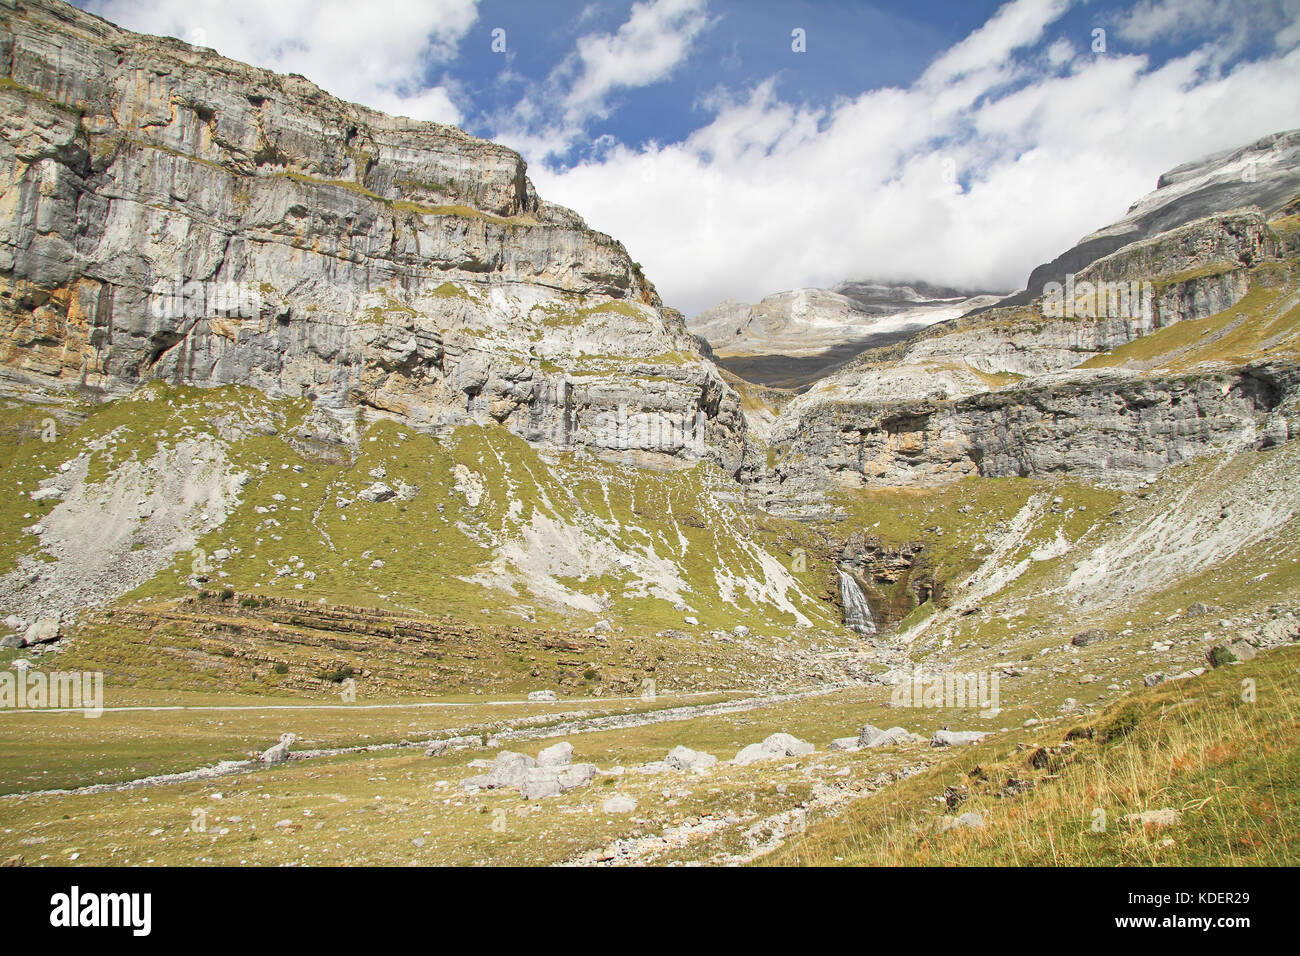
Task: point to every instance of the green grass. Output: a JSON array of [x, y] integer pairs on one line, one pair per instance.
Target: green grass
[[1264, 324], [1228, 765]]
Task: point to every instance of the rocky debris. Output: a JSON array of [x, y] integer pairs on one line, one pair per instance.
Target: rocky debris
[[875, 737], [1088, 638], [542, 696], [280, 752], [377, 492], [956, 738], [684, 758], [1164, 817], [618, 804], [777, 745], [49, 493], [437, 748], [1278, 631], [966, 821], [1154, 678], [1198, 609]]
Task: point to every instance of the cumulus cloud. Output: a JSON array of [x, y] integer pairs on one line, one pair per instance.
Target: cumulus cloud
[[1010, 147], [654, 40], [377, 54], [644, 50]]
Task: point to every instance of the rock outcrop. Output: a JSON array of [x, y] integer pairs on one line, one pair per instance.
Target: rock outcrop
[[168, 213]]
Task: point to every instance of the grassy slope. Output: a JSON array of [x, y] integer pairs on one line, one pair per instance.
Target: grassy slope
[[1229, 766], [495, 536]]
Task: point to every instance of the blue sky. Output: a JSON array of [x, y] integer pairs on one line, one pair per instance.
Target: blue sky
[[956, 141]]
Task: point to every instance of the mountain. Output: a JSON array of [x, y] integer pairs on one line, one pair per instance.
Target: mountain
[[1265, 174], [792, 338], [320, 426]]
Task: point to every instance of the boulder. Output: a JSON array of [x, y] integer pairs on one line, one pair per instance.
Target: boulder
[[956, 738], [875, 737], [844, 743], [542, 695], [1232, 652], [578, 775], [684, 758], [1086, 638], [969, 821], [280, 752], [777, 745], [557, 755], [13, 641], [509, 770], [618, 804], [539, 782], [377, 492], [43, 631]]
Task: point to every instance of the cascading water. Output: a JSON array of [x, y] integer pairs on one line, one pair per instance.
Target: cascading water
[[857, 612]]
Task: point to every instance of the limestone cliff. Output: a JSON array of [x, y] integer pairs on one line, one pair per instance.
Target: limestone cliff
[[168, 213]]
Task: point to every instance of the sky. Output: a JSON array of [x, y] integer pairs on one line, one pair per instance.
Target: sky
[[739, 148]]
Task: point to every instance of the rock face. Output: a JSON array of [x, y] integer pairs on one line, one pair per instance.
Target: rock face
[[169, 213], [1111, 425]]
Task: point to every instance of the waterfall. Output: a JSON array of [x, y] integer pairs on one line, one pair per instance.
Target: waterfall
[[857, 612]]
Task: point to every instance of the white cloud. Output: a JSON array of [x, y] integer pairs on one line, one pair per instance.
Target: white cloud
[[375, 53], [1150, 20], [655, 39], [1014, 26], [1050, 145], [644, 50]]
